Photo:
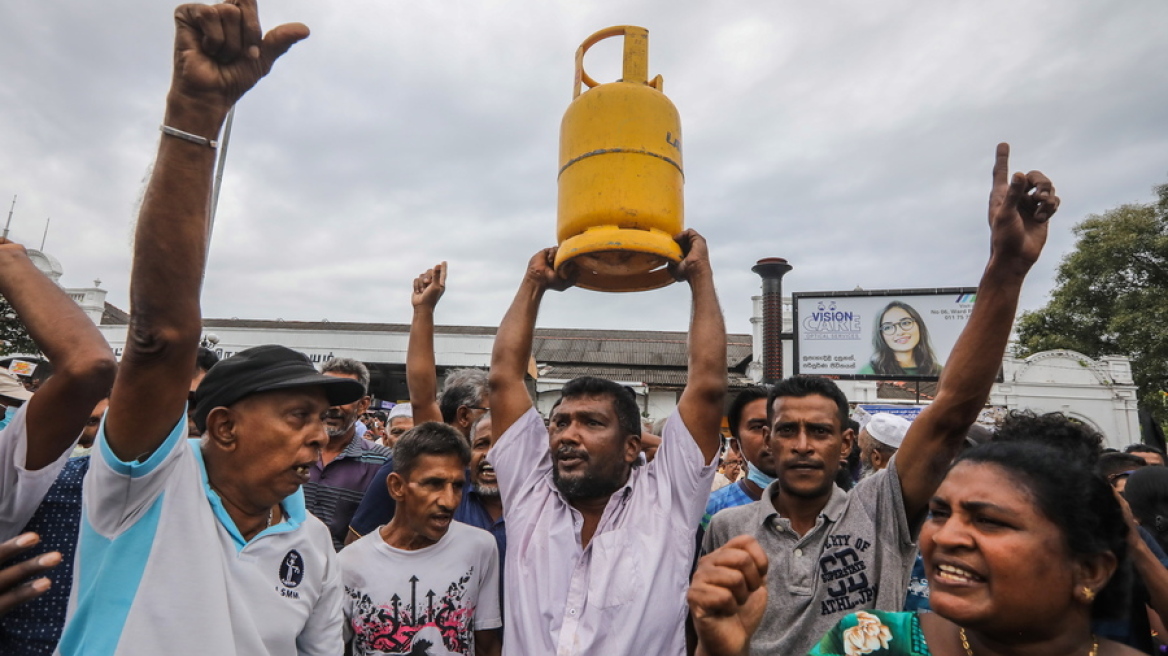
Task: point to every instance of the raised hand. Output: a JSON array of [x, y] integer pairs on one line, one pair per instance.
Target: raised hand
[[727, 597], [1020, 207], [429, 287], [695, 256], [220, 52], [14, 588], [541, 270]]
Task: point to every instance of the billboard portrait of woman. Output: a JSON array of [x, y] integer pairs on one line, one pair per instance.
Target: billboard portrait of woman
[[900, 343]]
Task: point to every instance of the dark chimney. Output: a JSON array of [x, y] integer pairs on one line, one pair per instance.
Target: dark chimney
[[772, 270]]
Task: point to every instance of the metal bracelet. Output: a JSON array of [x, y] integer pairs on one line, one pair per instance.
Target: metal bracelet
[[187, 136]]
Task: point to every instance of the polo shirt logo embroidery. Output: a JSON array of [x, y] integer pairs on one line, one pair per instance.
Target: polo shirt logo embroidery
[[292, 569]]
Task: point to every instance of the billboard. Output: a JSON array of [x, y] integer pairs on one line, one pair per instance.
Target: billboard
[[903, 334]]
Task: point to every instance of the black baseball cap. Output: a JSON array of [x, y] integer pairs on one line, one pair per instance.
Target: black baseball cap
[[264, 369]]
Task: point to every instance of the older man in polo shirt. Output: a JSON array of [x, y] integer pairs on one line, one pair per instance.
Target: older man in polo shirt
[[601, 543], [204, 547]]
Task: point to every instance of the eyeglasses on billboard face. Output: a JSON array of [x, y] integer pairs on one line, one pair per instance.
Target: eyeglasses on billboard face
[[904, 325]]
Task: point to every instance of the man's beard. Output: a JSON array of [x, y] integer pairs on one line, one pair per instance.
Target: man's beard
[[345, 427], [589, 484], [866, 468], [490, 491]]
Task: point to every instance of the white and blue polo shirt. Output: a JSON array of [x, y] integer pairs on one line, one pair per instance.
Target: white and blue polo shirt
[[162, 569]]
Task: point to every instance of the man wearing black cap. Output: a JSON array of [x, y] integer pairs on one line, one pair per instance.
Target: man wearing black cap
[[203, 546]]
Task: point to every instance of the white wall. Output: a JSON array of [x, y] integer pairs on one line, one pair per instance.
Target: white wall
[[320, 345]]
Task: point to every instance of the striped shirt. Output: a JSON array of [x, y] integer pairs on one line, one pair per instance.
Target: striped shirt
[[335, 490]]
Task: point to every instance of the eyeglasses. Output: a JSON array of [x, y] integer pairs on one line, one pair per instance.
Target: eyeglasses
[[1115, 477], [904, 324]]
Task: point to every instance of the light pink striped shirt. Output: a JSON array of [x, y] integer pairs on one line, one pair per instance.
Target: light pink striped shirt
[[625, 592]]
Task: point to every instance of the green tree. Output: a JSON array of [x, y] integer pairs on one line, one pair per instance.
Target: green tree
[[13, 335], [1111, 296]]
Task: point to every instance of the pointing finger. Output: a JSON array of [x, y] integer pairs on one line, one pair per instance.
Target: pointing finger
[[1001, 164], [442, 275]]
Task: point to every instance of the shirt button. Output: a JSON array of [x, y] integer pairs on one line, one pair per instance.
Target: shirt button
[[798, 553], [572, 611]]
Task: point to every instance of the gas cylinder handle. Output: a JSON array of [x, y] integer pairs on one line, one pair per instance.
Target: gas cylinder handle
[[636, 57]]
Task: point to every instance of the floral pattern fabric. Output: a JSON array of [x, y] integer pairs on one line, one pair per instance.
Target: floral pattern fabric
[[875, 633]]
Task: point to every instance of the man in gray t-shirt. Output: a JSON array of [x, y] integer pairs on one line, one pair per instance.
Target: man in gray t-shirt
[[858, 555], [832, 553]]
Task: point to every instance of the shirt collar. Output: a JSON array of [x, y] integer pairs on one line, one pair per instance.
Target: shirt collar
[[354, 449], [832, 511], [295, 511]]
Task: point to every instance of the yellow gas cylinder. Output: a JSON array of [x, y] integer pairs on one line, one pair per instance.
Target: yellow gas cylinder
[[620, 181]]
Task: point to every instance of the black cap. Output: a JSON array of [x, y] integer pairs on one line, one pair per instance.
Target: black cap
[[264, 369]]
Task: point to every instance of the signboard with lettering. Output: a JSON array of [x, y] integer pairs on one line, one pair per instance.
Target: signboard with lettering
[[878, 335]]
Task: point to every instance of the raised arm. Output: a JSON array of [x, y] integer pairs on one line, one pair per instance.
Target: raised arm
[[701, 402], [83, 365], [1020, 207], [512, 349], [219, 53], [421, 371]]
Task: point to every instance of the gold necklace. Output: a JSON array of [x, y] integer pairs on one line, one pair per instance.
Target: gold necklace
[[969, 650]]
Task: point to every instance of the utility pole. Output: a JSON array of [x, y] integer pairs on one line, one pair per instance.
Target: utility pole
[[9, 224], [772, 270], [224, 140]]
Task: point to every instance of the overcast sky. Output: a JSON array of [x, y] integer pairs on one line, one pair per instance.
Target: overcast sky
[[854, 139]]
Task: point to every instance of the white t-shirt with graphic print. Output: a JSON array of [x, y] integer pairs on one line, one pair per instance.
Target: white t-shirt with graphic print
[[441, 594]]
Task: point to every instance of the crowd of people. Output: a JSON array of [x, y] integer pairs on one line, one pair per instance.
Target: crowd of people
[[174, 503]]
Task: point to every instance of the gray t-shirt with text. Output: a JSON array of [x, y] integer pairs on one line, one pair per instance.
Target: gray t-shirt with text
[[858, 556]]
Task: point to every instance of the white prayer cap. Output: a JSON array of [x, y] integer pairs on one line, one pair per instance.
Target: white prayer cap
[[401, 410], [887, 429], [10, 387]]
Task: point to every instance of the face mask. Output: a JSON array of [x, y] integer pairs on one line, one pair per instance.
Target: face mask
[[758, 478], [9, 413]]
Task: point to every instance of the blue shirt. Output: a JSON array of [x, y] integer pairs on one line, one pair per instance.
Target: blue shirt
[[730, 496], [472, 511], [376, 507]]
